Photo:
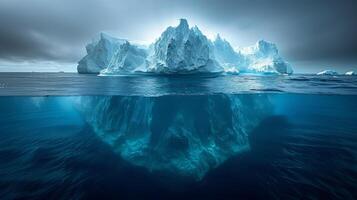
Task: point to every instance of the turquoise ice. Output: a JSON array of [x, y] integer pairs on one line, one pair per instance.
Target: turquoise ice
[[176, 134]]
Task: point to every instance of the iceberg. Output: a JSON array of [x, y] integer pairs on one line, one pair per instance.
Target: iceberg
[[264, 57], [110, 55], [327, 73], [350, 73], [181, 50]]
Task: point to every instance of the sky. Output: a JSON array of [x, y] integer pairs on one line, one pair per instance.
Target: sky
[[43, 35]]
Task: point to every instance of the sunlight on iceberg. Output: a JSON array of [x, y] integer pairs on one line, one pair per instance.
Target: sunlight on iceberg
[[181, 50]]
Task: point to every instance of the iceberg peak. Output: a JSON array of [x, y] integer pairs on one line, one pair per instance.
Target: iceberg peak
[[226, 55], [219, 38], [183, 24], [266, 48], [221, 41], [182, 50]]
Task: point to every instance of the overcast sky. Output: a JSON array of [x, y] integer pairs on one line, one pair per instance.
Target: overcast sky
[[41, 35]]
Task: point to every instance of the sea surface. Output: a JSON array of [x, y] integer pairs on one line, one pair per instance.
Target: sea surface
[[71, 136]]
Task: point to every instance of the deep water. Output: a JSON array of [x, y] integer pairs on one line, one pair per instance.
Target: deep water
[[246, 146]]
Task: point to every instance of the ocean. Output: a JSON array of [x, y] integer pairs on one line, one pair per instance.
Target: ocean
[[71, 136]]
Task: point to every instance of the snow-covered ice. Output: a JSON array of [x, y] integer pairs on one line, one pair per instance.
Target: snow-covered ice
[[328, 73], [181, 49], [350, 73], [264, 57]]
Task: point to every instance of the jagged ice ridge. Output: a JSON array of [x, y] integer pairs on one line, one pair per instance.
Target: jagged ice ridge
[[183, 50]]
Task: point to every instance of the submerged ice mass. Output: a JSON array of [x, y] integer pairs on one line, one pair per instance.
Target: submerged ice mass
[[183, 50], [182, 135]]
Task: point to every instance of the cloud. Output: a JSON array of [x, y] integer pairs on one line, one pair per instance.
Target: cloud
[[58, 30]]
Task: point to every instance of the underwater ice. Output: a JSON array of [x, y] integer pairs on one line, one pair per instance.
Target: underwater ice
[[181, 49], [179, 135]]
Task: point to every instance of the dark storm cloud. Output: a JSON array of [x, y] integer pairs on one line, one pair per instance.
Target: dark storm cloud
[[58, 30]]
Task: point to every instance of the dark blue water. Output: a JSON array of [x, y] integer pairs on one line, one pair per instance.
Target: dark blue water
[[69, 84], [259, 145]]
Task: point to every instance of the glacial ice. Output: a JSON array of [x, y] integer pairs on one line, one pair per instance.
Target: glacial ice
[[328, 73], [111, 55], [99, 54], [181, 49], [264, 57], [226, 56], [350, 73], [179, 135]]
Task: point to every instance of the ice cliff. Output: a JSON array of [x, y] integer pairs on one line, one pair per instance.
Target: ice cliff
[[181, 49], [111, 55], [264, 57]]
